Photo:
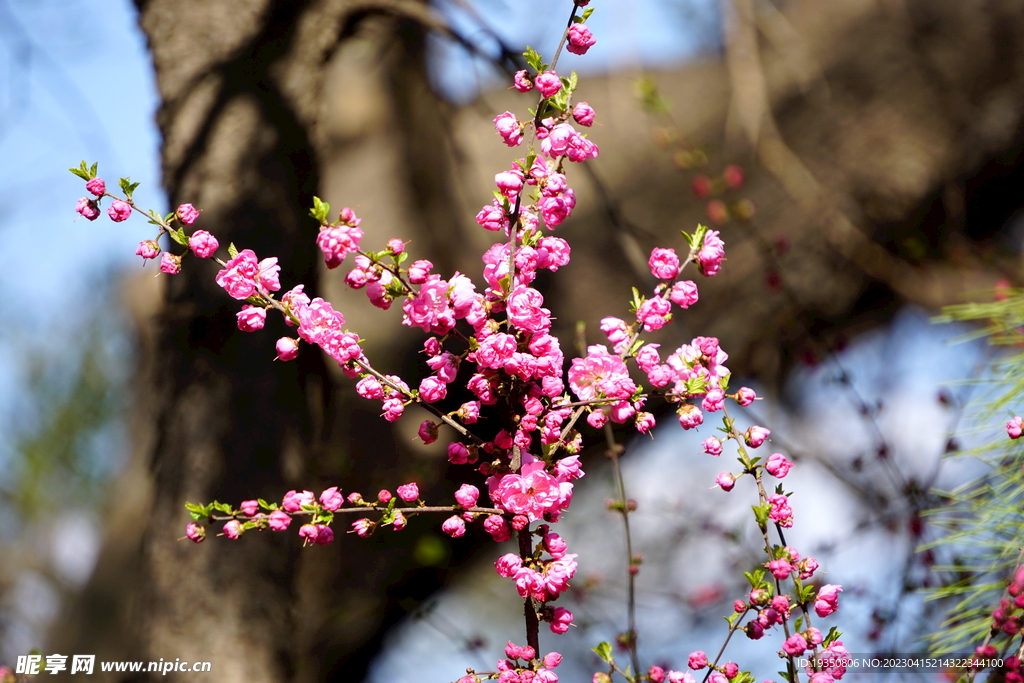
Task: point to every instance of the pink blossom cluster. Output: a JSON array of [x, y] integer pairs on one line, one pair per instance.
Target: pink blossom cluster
[[522, 666]]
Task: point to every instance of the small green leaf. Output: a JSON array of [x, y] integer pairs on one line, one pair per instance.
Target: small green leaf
[[179, 236], [586, 14], [604, 651], [533, 58], [92, 171], [401, 258], [83, 172], [833, 635], [574, 80], [232, 250]]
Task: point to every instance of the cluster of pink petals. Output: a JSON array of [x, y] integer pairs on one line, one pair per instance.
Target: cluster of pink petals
[[544, 582], [580, 39], [244, 275], [600, 375], [563, 140], [534, 492], [709, 258]]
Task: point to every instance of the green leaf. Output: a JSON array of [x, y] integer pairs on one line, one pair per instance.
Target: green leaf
[[232, 250], [401, 258], [833, 635], [83, 172], [604, 651], [533, 59], [320, 211], [761, 514], [574, 80], [586, 14], [92, 171], [179, 236], [127, 186]]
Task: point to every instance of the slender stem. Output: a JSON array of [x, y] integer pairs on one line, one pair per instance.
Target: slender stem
[[377, 508], [614, 452], [565, 36], [529, 608]]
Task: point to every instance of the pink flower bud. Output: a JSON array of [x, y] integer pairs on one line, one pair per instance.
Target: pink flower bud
[[509, 128], [467, 495], [419, 271], [697, 660], [287, 348], [331, 499], [88, 208], [684, 293], [250, 318], [777, 465], [396, 246], [195, 532], [745, 396], [148, 249], [399, 521], [118, 211], [580, 39], [755, 436], [362, 527], [584, 114], [454, 526], [548, 83], [522, 81], [1015, 427], [295, 500], [279, 521], [324, 534], [308, 532], [510, 183], [690, 416], [249, 507], [233, 529], [170, 264], [96, 186], [410, 493], [203, 244], [726, 481], [187, 214], [712, 446]]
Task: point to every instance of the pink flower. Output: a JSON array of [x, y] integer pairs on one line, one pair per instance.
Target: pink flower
[[714, 400], [279, 521], [690, 416], [148, 249], [337, 241], [295, 500], [454, 526], [827, 601], [96, 186], [458, 454], [233, 529], [580, 39], [600, 374], [780, 568], [469, 412], [664, 264], [467, 495], [433, 389], [684, 293], [419, 271], [726, 481], [363, 527], [170, 264], [410, 493], [331, 499], [561, 619], [745, 396], [697, 660], [309, 532], [238, 277], [493, 217], [780, 513], [509, 128], [427, 432], [203, 244], [532, 493], [654, 313], [712, 446], [755, 436], [251, 318], [525, 312], [522, 81], [656, 674], [795, 645], [584, 114], [547, 83], [777, 465], [249, 507], [195, 532], [118, 211], [287, 348], [187, 214], [1015, 427], [644, 422], [510, 183], [710, 256], [88, 208], [507, 565], [324, 534]]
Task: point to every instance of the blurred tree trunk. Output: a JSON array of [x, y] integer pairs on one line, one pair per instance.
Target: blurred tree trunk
[[242, 90]]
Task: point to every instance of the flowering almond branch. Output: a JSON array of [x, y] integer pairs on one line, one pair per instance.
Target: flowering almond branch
[[502, 332]]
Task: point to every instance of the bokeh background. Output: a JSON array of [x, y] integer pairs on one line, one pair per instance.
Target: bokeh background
[[878, 144]]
